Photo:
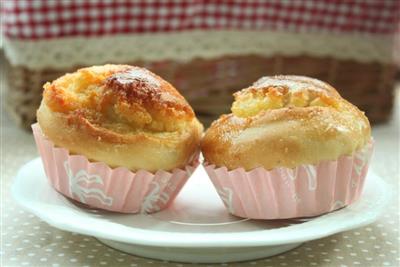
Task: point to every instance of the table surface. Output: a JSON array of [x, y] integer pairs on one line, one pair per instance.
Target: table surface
[[28, 241]]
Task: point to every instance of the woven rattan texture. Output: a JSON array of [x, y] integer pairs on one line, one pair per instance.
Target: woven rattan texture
[[208, 84]]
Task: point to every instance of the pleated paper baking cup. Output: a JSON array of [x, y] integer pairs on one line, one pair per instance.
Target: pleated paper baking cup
[[282, 193], [97, 185]]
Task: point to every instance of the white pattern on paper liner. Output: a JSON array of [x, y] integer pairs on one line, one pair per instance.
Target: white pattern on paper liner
[[149, 202], [83, 193], [361, 159], [311, 172], [312, 177], [226, 195]]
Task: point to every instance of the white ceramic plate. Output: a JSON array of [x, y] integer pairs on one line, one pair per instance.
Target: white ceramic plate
[[196, 228]]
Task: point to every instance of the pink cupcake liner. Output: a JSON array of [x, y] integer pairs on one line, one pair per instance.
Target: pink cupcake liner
[[97, 185], [282, 193]]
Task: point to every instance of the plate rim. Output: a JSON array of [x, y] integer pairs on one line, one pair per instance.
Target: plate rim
[[142, 236]]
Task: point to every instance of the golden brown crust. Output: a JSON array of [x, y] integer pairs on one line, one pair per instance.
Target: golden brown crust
[[119, 113], [267, 129]]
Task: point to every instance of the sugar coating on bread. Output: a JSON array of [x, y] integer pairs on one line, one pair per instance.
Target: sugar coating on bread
[[285, 121], [282, 91], [100, 111]]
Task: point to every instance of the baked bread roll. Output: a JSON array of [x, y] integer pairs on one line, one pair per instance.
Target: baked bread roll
[[122, 116], [285, 121]]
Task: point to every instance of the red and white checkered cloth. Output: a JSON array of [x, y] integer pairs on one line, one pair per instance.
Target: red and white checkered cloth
[[37, 19]]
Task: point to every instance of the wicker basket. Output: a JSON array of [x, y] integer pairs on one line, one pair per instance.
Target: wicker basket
[[367, 85]]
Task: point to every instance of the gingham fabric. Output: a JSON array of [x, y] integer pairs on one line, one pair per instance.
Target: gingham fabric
[[38, 19]]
